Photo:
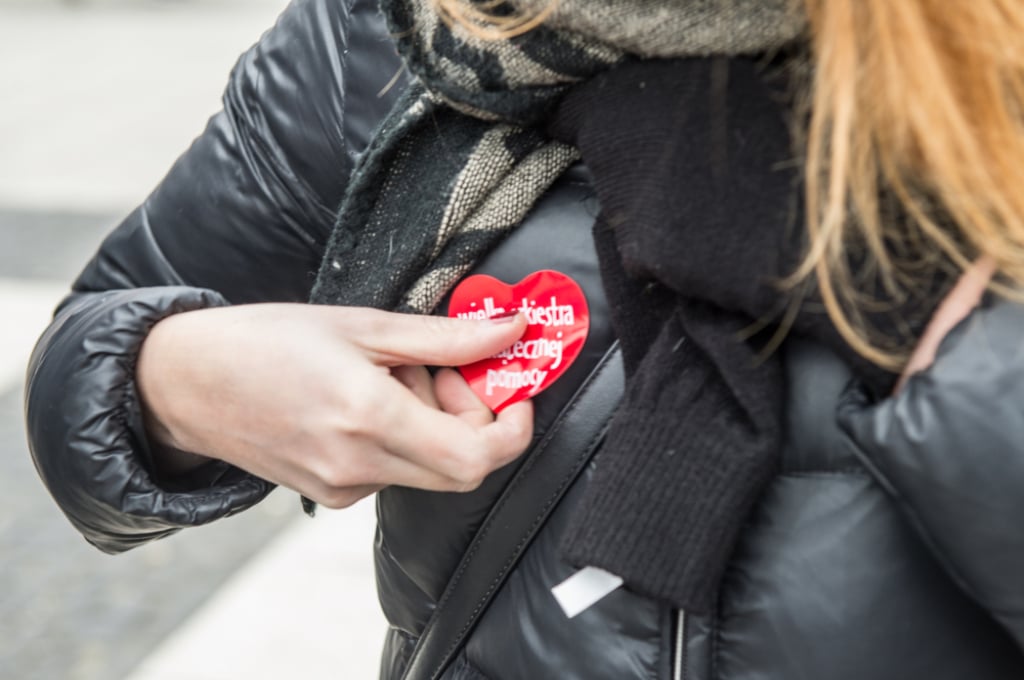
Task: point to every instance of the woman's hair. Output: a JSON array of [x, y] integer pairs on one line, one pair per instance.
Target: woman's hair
[[481, 20], [914, 147], [921, 98]]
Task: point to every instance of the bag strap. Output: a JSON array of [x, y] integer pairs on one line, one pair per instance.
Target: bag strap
[[548, 471]]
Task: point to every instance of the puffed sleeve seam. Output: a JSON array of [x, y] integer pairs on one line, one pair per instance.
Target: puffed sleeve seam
[[87, 437], [858, 398]]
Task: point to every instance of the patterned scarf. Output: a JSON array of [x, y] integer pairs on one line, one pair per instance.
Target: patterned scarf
[[459, 161]]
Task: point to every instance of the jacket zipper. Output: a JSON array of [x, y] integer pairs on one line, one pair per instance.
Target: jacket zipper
[[679, 657]]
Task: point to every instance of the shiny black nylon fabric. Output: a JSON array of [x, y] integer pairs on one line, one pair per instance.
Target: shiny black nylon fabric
[[830, 580]]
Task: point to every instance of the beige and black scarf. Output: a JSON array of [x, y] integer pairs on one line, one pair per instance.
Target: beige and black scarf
[[460, 160]]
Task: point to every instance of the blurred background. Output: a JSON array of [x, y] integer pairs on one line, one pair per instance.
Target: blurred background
[[97, 98]]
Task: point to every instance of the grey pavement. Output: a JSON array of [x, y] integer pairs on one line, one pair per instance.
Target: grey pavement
[[99, 97], [70, 612]]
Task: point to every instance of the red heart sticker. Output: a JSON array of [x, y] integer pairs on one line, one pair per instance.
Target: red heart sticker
[[558, 318]]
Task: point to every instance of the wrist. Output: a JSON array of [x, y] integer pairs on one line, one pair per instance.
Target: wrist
[[156, 371]]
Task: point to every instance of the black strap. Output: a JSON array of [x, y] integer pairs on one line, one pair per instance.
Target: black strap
[[530, 497]]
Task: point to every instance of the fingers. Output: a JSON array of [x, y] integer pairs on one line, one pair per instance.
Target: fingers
[[417, 379], [402, 439], [456, 397], [338, 478], [418, 431], [394, 339], [463, 447], [341, 497], [367, 468], [515, 423]]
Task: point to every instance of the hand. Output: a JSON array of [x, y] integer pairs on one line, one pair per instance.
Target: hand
[[332, 402], [958, 303]]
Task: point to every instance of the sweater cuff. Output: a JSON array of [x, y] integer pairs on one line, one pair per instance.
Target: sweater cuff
[[671, 541], [686, 458]]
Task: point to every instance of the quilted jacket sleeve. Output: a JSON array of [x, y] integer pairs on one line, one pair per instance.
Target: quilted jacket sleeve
[[241, 217], [950, 450]]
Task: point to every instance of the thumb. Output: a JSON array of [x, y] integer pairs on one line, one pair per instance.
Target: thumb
[[392, 339]]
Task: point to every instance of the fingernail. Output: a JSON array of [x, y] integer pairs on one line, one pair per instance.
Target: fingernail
[[504, 318]]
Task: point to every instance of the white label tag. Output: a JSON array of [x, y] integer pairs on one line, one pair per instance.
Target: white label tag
[[584, 589]]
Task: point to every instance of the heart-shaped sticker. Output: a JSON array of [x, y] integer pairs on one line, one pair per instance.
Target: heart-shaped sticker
[[558, 318]]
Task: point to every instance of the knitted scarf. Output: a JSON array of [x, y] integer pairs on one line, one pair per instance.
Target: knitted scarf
[[484, 131]]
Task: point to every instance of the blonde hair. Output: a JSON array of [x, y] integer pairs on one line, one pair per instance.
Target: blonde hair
[[480, 20], [920, 98], [923, 98]]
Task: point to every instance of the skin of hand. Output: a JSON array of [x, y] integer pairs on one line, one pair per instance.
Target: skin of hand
[[958, 303], [332, 402]]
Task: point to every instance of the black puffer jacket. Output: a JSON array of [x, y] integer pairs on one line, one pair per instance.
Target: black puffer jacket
[[889, 546]]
